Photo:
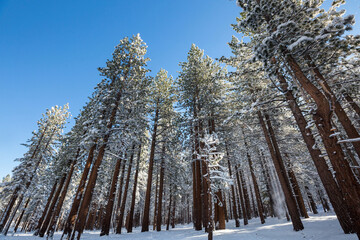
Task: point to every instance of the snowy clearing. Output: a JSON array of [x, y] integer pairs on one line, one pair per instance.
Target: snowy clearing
[[318, 227]]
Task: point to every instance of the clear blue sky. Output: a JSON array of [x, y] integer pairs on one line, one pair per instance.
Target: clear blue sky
[[50, 50]]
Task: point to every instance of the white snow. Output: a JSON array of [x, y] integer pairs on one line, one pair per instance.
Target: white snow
[[299, 41], [323, 226], [349, 140]]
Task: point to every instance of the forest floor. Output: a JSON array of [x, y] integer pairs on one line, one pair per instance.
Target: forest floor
[[323, 226]]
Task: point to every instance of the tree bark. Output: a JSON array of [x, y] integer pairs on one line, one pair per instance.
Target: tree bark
[[243, 206], [78, 196], [123, 202], [46, 208], [161, 189], [105, 227], [331, 187], [55, 216], [132, 208], [281, 172], [256, 186], [145, 222]]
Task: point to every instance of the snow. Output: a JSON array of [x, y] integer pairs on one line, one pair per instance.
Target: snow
[[323, 226], [299, 41], [349, 140]]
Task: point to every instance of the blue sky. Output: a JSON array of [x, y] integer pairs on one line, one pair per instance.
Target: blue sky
[[50, 50]]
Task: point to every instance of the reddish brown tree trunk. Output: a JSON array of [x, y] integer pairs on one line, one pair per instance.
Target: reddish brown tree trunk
[[123, 202], [256, 186], [339, 111], [219, 211], [156, 200], [311, 199], [298, 195], [78, 196], [52, 206], [145, 222], [161, 189], [243, 207], [46, 208], [105, 227], [132, 208], [55, 216], [281, 171], [245, 195], [21, 215], [330, 185], [173, 213], [267, 181], [169, 212], [354, 106]]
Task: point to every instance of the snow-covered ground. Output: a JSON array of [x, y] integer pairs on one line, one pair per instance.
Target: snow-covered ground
[[318, 227]]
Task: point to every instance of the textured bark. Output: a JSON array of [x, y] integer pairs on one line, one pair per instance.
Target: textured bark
[[145, 221], [331, 187], [132, 208], [339, 111], [354, 106], [105, 227], [245, 195], [55, 215], [78, 196], [281, 171], [322, 117], [161, 189], [120, 189], [123, 201], [243, 207], [21, 215], [156, 200], [46, 208], [256, 186], [197, 203], [7, 218], [267, 181], [173, 213], [52, 207], [169, 212], [220, 211], [311, 200], [298, 195], [207, 196]]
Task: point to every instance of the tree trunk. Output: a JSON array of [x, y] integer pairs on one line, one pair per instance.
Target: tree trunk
[[123, 202], [21, 215], [105, 227], [145, 222], [353, 104], [311, 199], [161, 189], [281, 172], [55, 216], [133, 198], [339, 111], [46, 208], [256, 186], [173, 213], [169, 212], [332, 189], [78, 196], [268, 186], [220, 212], [52, 206], [156, 199], [298, 195], [245, 194], [243, 207]]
